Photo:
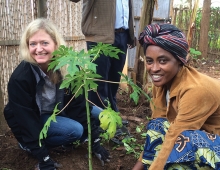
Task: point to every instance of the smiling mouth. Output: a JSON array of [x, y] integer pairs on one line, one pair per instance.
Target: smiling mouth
[[156, 77], [41, 54]]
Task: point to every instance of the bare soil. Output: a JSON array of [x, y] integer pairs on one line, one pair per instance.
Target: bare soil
[[13, 158]]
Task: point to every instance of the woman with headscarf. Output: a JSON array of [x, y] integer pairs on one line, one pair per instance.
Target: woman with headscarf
[[185, 126]]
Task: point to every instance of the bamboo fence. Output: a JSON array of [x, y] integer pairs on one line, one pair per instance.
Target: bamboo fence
[[16, 14]]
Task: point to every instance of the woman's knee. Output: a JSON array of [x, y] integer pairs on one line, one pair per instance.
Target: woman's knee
[[75, 132], [95, 114], [160, 125], [65, 129]]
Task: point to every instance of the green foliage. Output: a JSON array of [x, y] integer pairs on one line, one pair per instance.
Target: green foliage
[[65, 56], [140, 128], [213, 34], [136, 90], [198, 18], [109, 121], [77, 143], [131, 146], [43, 133], [82, 75], [194, 53], [80, 78], [79, 66], [106, 49], [217, 61], [182, 21]]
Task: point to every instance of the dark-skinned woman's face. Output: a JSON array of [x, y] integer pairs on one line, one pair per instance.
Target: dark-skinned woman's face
[[161, 65]]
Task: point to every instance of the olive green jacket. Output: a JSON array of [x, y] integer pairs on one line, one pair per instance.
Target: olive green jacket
[[98, 21], [194, 103]]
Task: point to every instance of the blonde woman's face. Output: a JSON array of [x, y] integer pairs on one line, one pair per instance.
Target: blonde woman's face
[[41, 47]]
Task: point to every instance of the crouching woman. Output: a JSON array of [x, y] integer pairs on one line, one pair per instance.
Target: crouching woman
[[185, 126], [33, 93]]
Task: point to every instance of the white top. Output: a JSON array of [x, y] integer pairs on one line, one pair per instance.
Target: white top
[[168, 97], [122, 14]]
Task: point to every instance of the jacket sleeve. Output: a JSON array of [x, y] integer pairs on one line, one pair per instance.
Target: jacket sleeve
[[194, 107], [22, 110]]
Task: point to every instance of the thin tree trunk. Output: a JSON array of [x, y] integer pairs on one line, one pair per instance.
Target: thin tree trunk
[[192, 24], [204, 28], [171, 12]]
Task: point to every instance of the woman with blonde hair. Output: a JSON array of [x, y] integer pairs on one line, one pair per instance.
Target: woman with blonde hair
[[52, 31], [33, 93]]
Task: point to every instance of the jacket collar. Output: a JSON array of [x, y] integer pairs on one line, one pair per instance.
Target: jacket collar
[[161, 91], [174, 89]]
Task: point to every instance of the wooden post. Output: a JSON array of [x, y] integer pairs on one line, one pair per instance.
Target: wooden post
[[204, 28], [3, 125], [174, 18], [191, 23], [42, 9], [124, 86], [171, 11]]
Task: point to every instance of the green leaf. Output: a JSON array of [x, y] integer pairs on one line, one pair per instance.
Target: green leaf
[[109, 120], [138, 129], [43, 133], [136, 90], [81, 77], [106, 49], [135, 96], [194, 52]]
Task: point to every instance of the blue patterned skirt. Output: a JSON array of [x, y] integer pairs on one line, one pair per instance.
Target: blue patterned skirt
[[193, 149]]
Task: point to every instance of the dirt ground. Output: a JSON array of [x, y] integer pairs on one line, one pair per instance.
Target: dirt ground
[[13, 158]]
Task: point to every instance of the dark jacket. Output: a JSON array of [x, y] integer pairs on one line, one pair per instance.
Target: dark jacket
[[98, 21], [22, 113]]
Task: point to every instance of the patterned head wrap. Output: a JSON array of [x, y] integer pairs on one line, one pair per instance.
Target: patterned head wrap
[[166, 36]]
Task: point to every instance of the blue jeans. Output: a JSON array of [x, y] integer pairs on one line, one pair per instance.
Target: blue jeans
[[65, 130], [95, 113]]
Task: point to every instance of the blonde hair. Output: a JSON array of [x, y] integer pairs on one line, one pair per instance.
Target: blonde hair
[[49, 28]]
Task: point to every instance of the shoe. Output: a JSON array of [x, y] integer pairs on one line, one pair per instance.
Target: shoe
[[24, 148]]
